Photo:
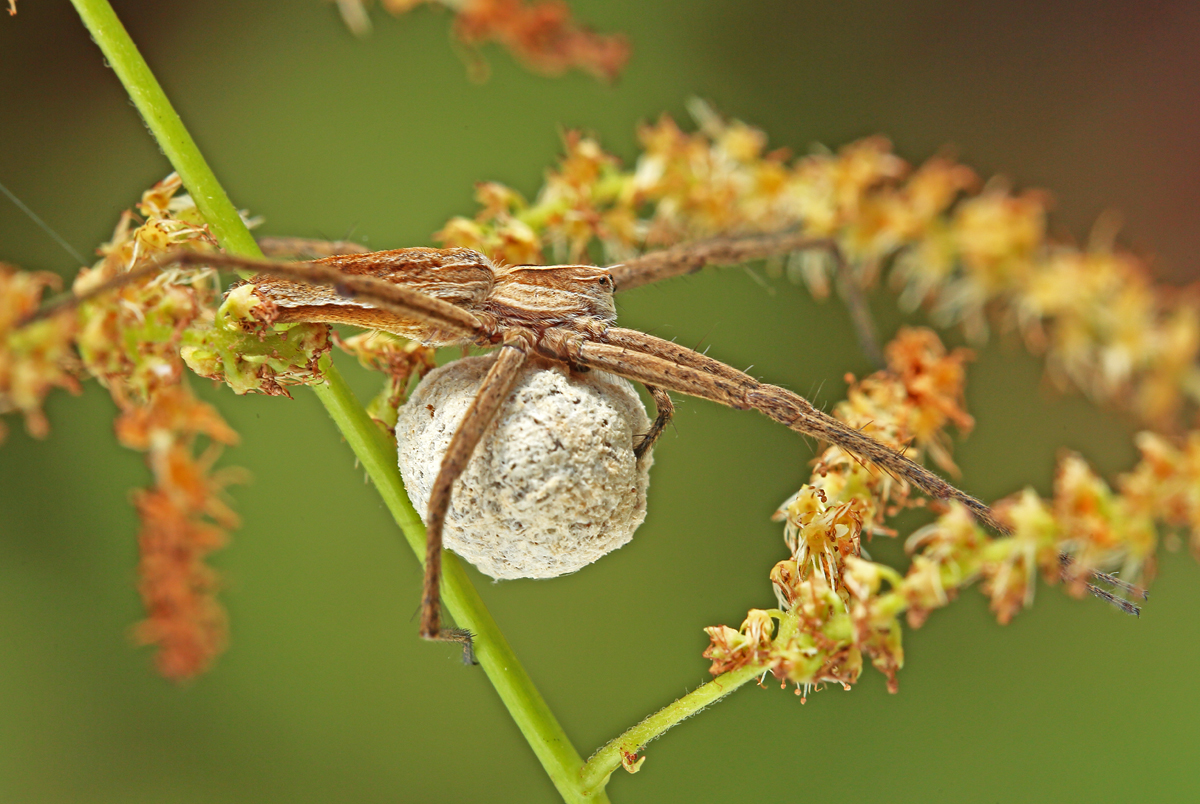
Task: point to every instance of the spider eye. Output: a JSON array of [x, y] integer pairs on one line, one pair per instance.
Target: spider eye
[[607, 283]]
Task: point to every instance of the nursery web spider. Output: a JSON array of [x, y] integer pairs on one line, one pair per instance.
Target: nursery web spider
[[558, 313]]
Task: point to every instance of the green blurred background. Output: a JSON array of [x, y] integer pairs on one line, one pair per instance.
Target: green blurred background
[[327, 694]]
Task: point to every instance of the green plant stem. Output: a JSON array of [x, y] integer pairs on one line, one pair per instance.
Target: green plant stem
[[607, 759], [526, 705], [372, 447], [167, 128], [600, 766]]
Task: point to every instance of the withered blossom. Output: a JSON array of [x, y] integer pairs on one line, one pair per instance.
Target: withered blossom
[[1165, 484], [36, 358], [129, 339], [543, 34], [184, 518], [975, 254], [837, 608]]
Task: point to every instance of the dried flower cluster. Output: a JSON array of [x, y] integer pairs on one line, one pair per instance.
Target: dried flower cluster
[[542, 34], [973, 253], [907, 408], [831, 610], [129, 340], [184, 517], [33, 359], [133, 339], [836, 607]]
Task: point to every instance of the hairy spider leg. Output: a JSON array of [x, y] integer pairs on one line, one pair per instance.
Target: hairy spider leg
[[452, 323], [661, 363], [694, 374], [688, 258], [494, 389], [664, 410], [439, 321]]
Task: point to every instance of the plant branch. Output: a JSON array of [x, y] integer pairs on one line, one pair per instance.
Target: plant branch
[[372, 448], [164, 123], [526, 705], [624, 749]]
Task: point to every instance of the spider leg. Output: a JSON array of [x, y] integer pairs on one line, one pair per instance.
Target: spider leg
[[688, 258], [855, 300], [307, 248], [654, 361], [492, 392], [399, 302], [665, 409], [404, 303], [1068, 572], [819, 424]]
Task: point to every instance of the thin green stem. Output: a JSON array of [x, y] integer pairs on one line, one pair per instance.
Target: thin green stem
[[167, 128], [373, 449], [610, 757], [526, 705], [614, 753]]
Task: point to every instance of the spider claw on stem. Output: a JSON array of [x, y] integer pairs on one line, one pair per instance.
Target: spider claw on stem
[[467, 640]]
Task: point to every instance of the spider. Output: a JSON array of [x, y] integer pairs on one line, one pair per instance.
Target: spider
[[559, 313]]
